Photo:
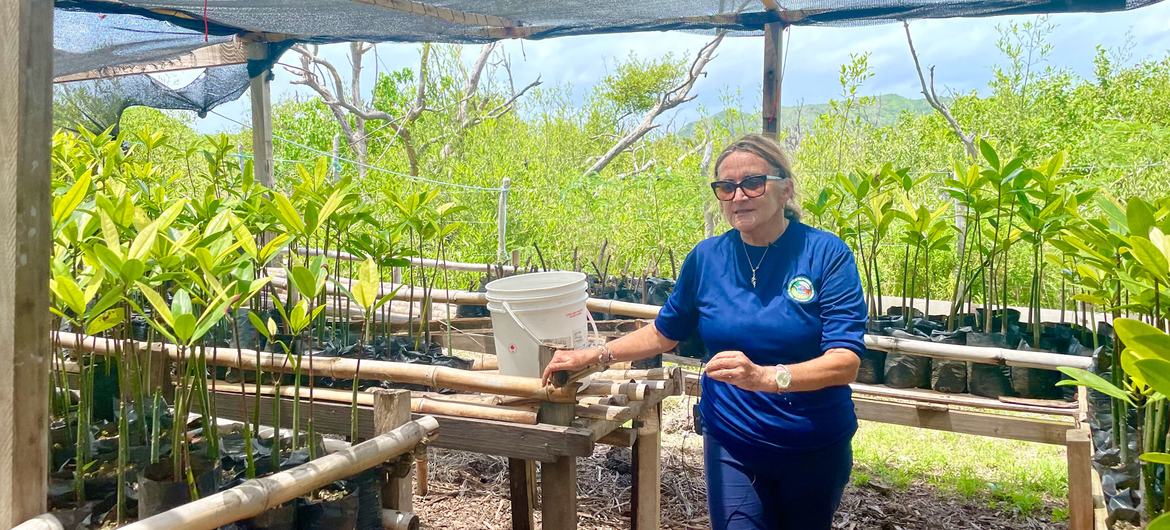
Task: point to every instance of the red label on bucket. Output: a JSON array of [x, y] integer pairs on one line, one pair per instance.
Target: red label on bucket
[[575, 314]]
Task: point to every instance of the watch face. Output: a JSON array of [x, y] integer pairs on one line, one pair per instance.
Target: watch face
[[783, 377]]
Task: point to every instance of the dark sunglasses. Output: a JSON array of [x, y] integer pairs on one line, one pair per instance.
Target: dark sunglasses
[[752, 186]]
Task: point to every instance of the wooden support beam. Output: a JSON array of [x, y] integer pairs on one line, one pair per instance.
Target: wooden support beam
[[391, 410], [773, 76], [223, 54], [558, 479], [261, 94], [453, 16], [1079, 445], [26, 108], [522, 490], [646, 498], [533, 442], [941, 418]]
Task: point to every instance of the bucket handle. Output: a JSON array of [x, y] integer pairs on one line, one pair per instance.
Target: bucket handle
[[531, 335]]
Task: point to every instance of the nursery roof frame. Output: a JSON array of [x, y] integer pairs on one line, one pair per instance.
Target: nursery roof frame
[[268, 27]]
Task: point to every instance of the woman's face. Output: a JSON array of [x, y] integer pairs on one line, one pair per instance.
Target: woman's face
[[748, 214]]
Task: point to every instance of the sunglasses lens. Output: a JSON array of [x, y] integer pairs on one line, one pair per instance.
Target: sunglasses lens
[[724, 190], [753, 186]]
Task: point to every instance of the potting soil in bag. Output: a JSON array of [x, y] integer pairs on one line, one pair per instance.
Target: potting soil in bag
[[907, 371], [329, 513], [872, 368], [988, 380], [949, 376], [1033, 382], [158, 491], [369, 493]]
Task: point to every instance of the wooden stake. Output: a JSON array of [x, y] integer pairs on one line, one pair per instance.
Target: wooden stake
[[261, 94], [646, 498], [26, 65], [391, 409], [773, 54], [522, 490], [1080, 479], [558, 480], [422, 475]]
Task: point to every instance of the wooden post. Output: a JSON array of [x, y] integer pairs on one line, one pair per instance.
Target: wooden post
[[522, 489], [646, 499], [26, 108], [773, 76], [502, 220], [391, 409], [261, 118], [558, 480], [422, 475], [1080, 479]]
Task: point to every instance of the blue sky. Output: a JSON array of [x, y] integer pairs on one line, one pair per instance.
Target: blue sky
[[963, 51]]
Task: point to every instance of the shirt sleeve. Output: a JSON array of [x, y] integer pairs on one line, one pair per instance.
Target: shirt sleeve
[[843, 309], [680, 315]]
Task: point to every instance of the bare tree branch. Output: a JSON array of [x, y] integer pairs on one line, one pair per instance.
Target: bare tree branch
[[932, 98], [668, 100]]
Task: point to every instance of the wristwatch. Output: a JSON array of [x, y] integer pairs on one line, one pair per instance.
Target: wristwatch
[[783, 377]]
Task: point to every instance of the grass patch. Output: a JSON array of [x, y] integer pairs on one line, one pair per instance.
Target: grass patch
[[1026, 477]]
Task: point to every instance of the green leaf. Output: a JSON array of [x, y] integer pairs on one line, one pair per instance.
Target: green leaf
[[288, 214], [158, 303], [1149, 257], [143, 242], [304, 280], [989, 154], [104, 321], [181, 303], [331, 205], [1129, 358], [1156, 458], [1156, 373], [1086, 378], [260, 326], [1139, 217], [1147, 340], [1162, 522], [64, 205], [131, 271], [69, 293], [185, 328], [246, 239], [211, 316], [369, 283]]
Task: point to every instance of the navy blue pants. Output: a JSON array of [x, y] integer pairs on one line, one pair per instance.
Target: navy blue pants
[[763, 490]]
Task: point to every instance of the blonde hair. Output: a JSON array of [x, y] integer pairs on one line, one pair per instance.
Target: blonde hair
[[769, 150]]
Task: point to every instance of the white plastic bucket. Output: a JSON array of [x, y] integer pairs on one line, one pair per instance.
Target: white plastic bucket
[[528, 309]]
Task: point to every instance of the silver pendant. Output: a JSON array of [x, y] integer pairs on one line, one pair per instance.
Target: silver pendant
[[753, 279]]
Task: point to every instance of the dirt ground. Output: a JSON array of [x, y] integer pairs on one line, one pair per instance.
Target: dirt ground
[[470, 491]]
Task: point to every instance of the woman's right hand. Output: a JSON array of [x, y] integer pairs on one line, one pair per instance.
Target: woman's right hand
[[569, 360]]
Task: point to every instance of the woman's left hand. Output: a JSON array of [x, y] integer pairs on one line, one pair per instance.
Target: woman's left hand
[[735, 368]]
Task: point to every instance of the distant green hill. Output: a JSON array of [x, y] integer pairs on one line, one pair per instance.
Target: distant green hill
[[887, 108]]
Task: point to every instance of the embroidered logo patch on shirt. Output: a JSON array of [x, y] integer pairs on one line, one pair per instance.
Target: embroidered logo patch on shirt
[[801, 289]]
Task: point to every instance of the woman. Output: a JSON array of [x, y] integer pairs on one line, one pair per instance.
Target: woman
[[781, 303]]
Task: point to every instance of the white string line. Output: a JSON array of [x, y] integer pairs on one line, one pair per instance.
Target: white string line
[[367, 166]]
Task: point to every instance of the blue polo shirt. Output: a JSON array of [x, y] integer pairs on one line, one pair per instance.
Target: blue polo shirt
[[808, 299]]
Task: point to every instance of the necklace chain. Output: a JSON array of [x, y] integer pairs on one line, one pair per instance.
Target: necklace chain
[[757, 266]]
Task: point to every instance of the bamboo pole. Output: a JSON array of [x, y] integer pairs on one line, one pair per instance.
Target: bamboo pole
[[605, 412], [396, 520], [255, 496], [634, 374], [340, 368], [422, 262], [634, 391], [977, 354], [418, 404], [45, 521]]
